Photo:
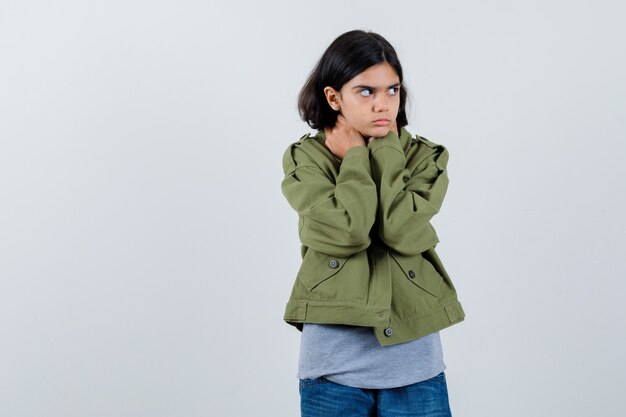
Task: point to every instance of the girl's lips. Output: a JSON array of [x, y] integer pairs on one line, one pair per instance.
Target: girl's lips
[[382, 122]]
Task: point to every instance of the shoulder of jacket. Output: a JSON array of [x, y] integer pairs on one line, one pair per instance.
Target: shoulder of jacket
[[429, 143], [305, 150], [427, 150]]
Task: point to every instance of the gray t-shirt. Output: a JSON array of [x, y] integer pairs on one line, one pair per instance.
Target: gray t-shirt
[[352, 356]]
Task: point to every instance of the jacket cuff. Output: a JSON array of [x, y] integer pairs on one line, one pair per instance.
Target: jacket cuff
[[356, 151], [356, 158], [390, 140]]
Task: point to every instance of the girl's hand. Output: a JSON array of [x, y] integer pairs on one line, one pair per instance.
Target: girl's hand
[[394, 128], [342, 137]]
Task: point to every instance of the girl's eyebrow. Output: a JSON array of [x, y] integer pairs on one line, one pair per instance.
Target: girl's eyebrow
[[372, 88]]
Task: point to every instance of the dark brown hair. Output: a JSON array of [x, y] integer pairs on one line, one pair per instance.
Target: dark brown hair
[[347, 56]]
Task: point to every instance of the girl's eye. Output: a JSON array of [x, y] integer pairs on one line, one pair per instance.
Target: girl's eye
[[394, 90], [365, 92]]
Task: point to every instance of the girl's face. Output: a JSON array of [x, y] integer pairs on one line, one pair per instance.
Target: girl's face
[[370, 101]]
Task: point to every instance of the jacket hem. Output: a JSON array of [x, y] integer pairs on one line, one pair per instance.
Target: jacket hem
[[321, 312], [405, 330], [378, 317]]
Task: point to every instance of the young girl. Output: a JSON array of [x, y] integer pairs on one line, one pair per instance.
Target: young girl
[[371, 294]]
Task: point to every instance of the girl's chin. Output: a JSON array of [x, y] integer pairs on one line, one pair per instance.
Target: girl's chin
[[377, 132]]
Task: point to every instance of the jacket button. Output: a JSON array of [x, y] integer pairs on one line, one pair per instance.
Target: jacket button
[[411, 274], [333, 263], [388, 331]]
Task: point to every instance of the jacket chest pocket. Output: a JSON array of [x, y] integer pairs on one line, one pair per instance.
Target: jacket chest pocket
[[317, 267], [420, 272]]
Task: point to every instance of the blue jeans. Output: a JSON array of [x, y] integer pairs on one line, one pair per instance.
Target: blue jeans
[[323, 398]]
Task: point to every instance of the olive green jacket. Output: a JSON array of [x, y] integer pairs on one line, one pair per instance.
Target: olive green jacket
[[368, 248]]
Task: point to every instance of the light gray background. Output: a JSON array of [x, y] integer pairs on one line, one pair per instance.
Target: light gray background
[[146, 251]]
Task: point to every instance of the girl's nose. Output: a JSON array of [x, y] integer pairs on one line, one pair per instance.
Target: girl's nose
[[380, 104]]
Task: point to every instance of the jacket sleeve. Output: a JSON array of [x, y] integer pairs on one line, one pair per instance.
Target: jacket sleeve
[[336, 214], [410, 193]]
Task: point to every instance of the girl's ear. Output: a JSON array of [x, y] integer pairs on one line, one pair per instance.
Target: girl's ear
[[333, 98]]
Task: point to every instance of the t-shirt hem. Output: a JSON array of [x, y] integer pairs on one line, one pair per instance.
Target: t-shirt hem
[[397, 383]]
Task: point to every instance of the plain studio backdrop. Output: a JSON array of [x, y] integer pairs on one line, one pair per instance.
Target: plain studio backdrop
[[147, 253]]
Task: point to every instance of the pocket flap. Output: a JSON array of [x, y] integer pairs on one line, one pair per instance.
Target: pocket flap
[[317, 267], [420, 272]]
